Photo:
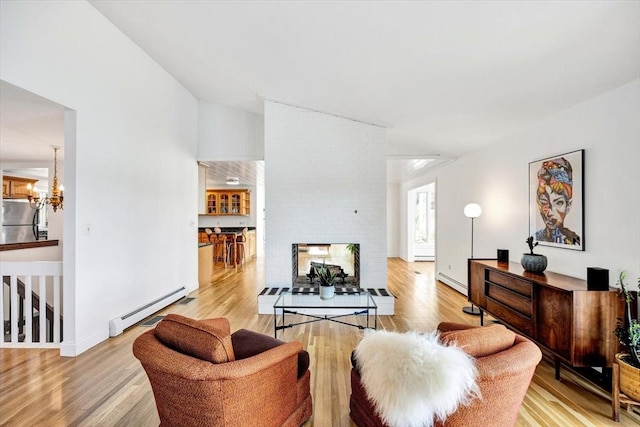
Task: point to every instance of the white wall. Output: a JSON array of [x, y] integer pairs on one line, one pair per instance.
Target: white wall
[[130, 160], [202, 188], [496, 177], [228, 134], [319, 170], [393, 220]]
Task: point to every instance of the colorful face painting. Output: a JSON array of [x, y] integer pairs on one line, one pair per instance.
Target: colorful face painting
[[554, 198]]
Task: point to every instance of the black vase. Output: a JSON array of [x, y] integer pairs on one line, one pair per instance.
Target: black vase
[[534, 263]]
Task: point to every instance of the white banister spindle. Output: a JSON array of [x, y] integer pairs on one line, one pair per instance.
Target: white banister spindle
[[2, 305], [56, 309], [48, 287], [14, 308], [28, 310], [42, 309]]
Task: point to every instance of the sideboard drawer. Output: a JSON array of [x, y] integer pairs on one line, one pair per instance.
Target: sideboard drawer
[[511, 299], [511, 317], [520, 286]]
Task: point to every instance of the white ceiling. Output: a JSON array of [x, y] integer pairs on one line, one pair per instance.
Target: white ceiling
[[29, 126], [248, 173], [443, 77]]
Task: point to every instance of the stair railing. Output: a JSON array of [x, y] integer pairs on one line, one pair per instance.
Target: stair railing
[[30, 304]]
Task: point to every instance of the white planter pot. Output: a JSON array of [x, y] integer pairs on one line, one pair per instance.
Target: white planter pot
[[327, 292]]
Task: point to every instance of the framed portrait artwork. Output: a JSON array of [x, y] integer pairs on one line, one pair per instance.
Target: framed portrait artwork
[[556, 200]]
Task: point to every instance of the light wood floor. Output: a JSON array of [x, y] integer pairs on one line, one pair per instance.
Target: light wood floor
[[106, 386]]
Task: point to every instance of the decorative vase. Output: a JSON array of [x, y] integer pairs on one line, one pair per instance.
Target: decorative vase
[[534, 263], [629, 378], [327, 292]]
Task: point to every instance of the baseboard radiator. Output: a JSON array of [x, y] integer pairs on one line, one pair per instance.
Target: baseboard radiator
[[119, 324], [453, 283]]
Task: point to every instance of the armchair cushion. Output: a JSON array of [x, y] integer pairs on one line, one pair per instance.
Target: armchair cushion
[[248, 343], [195, 338], [478, 342]]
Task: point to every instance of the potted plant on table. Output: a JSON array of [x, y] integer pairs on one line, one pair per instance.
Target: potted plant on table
[[628, 332], [326, 276], [533, 263]]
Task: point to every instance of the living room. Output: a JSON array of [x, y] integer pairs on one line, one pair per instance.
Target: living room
[[132, 160]]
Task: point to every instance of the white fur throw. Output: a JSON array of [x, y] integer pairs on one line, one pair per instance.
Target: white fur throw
[[413, 379]]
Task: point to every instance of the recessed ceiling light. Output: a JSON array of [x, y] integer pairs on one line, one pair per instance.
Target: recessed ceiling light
[[233, 180]]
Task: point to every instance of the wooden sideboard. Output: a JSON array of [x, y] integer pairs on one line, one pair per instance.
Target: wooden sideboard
[[556, 311]]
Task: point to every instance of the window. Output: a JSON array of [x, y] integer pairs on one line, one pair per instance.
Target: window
[[424, 226]]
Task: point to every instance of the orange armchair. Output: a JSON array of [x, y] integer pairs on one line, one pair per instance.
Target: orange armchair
[[505, 363], [202, 375]]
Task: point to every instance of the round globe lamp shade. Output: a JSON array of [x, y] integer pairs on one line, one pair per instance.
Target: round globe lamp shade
[[472, 210]]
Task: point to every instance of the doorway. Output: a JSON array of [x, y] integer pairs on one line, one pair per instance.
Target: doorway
[[421, 225]]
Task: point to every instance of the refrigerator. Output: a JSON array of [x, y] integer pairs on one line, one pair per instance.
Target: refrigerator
[[19, 222]]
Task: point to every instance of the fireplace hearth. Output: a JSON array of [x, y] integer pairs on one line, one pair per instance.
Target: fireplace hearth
[[343, 257]]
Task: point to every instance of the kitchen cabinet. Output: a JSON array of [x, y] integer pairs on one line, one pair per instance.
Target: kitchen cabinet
[[228, 202], [205, 264], [250, 249], [224, 203], [15, 187], [213, 204], [245, 204]]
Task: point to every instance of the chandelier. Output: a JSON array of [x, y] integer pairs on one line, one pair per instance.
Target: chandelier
[[57, 192]]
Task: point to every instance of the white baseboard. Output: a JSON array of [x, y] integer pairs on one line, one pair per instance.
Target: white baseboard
[[118, 324], [192, 287], [453, 283], [75, 348]]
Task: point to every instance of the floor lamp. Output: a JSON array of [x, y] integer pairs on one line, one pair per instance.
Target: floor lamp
[[472, 210]]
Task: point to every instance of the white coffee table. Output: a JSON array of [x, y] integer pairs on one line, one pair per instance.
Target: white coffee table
[[288, 302]]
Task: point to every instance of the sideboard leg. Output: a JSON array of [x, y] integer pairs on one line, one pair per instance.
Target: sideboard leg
[[557, 365], [615, 393]]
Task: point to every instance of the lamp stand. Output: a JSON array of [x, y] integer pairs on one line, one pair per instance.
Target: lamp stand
[[472, 310]]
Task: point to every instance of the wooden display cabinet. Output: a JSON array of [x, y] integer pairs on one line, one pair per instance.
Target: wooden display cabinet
[[228, 202], [16, 187], [245, 204], [224, 203], [213, 202], [235, 203]]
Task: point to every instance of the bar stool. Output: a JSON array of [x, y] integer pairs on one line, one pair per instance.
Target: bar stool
[[240, 240], [220, 249], [231, 249]]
